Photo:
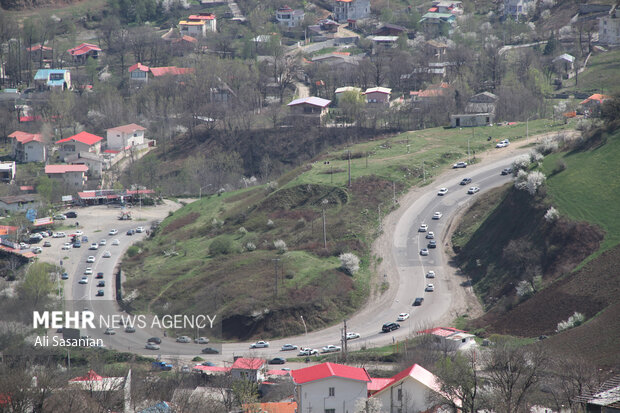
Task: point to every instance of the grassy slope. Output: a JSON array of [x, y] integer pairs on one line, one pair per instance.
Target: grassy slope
[[601, 75], [240, 285]]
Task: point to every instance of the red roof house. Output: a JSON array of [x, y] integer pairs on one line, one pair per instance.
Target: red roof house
[[83, 137], [90, 376], [82, 142], [63, 169], [252, 369], [84, 51], [72, 176], [28, 147], [171, 71]]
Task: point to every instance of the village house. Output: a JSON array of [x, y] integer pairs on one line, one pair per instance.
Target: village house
[[329, 388], [251, 369], [28, 147], [209, 19], [124, 137], [480, 111], [290, 18], [378, 95], [385, 42], [345, 10], [41, 54], [434, 24], [193, 28], [139, 73], [7, 171], [82, 142], [94, 163], [72, 176], [341, 90], [436, 49], [19, 203], [564, 65], [342, 61], [451, 339], [46, 79], [409, 391], [82, 52], [310, 109], [517, 8], [444, 6], [609, 29], [591, 107], [389, 29]]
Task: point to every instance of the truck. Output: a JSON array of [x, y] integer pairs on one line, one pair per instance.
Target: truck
[[161, 365]]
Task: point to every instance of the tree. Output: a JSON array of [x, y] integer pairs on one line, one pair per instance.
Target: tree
[[37, 284], [460, 383], [350, 263], [352, 104]]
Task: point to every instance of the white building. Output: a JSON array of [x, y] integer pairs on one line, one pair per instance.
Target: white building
[[451, 339], [251, 369], [124, 137], [28, 147], [609, 29], [73, 176], [516, 8], [290, 18], [345, 10], [409, 391], [82, 142], [19, 203], [329, 388], [7, 171]]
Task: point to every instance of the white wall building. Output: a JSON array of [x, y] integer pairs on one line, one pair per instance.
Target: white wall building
[[82, 142], [409, 391], [609, 29], [290, 18], [28, 147], [330, 388], [516, 8], [73, 176], [124, 137]]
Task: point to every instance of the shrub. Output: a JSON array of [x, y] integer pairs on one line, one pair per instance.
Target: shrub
[[133, 251], [535, 157], [270, 223], [560, 165], [272, 186], [250, 246], [524, 289], [242, 231], [221, 245], [547, 146], [530, 182], [349, 262], [216, 223], [573, 321], [522, 162], [280, 246], [552, 215]]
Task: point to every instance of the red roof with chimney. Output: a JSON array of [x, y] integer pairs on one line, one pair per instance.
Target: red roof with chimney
[[84, 137], [25, 137], [83, 49], [248, 363], [171, 70], [61, 169], [138, 66], [326, 370]]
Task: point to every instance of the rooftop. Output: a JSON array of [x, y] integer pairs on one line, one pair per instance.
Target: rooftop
[[248, 363], [378, 89], [84, 137], [61, 169], [83, 49], [312, 100], [130, 128], [326, 370], [25, 137]]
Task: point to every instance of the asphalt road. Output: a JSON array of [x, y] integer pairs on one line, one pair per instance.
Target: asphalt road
[[406, 285]]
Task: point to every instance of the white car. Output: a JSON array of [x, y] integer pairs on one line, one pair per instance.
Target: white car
[[88, 271], [429, 288], [352, 336], [260, 344], [66, 246], [402, 316], [109, 331], [83, 280], [460, 165], [184, 339], [437, 215], [442, 191], [423, 228], [473, 190], [288, 347], [330, 349], [103, 242], [503, 143], [424, 251], [90, 259], [113, 232], [37, 250], [107, 254], [430, 274], [307, 352], [151, 346], [140, 229], [79, 233], [60, 217], [94, 246], [430, 235], [59, 235], [116, 242], [201, 340]]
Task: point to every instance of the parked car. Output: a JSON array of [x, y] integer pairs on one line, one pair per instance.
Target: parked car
[[101, 283], [402, 317], [308, 352], [387, 327], [466, 181], [432, 243], [130, 329], [100, 293], [140, 229], [503, 144], [94, 246], [506, 171], [260, 344], [66, 246], [424, 251], [109, 331], [429, 288], [201, 340], [113, 232], [277, 360], [437, 215], [460, 165], [71, 214], [99, 275], [130, 232], [185, 369], [430, 274], [151, 346], [47, 244], [59, 235], [88, 271], [90, 259], [418, 301], [423, 228], [77, 244], [352, 336], [37, 250], [210, 350], [330, 349], [106, 254], [64, 276], [155, 340], [83, 280], [103, 242], [161, 365], [442, 191], [473, 190], [288, 347], [207, 363], [78, 233], [430, 235], [184, 339], [60, 217]]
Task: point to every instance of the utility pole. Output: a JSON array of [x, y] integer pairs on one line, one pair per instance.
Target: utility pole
[[394, 191], [367, 155], [345, 350], [349, 161], [275, 261], [423, 172], [472, 136], [325, 201]]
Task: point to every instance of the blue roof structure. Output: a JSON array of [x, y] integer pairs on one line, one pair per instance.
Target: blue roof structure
[[44, 74]]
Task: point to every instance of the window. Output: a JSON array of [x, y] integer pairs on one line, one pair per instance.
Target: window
[[332, 391], [400, 395]]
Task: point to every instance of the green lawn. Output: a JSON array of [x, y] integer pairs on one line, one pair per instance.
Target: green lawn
[[601, 76], [589, 188]]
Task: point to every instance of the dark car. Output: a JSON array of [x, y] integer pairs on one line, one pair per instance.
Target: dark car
[[99, 275], [155, 340], [506, 171], [432, 244], [418, 301], [100, 293], [466, 181], [64, 276], [277, 360], [130, 329], [131, 232], [101, 284], [208, 363], [387, 327], [84, 238], [71, 214], [210, 350]]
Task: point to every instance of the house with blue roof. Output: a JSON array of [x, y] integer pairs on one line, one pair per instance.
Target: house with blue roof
[[433, 24], [52, 79]]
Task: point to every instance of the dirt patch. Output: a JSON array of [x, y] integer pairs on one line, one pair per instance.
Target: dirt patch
[[183, 221]]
